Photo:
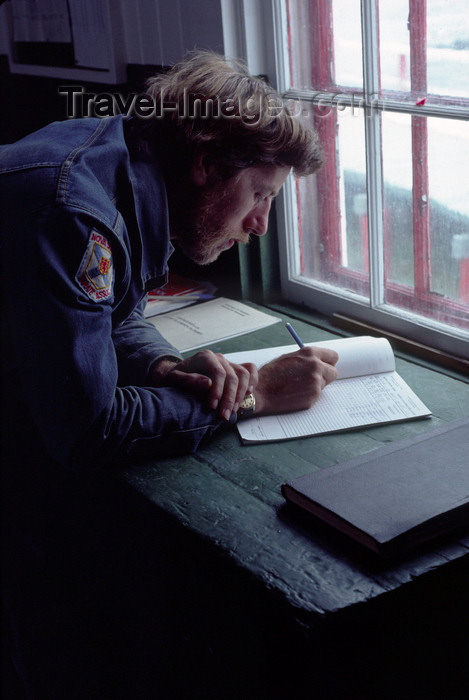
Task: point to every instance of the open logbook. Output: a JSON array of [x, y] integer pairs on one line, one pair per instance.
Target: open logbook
[[368, 391]]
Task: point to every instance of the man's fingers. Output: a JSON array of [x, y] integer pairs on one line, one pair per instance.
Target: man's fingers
[[325, 354], [190, 381], [225, 382], [247, 381], [224, 386], [295, 381], [231, 391], [329, 373]]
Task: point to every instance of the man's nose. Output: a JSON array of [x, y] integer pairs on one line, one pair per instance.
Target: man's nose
[[258, 220]]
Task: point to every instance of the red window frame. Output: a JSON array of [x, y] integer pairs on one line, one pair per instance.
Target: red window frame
[[419, 299]]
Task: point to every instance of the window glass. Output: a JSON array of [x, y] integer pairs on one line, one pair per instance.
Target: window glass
[[397, 200], [352, 178], [394, 45], [300, 72], [448, 157], [333, 223], [347, 42], [448, 47], [385, 223]]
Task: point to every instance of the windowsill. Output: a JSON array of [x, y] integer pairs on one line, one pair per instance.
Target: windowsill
[[423, 355]]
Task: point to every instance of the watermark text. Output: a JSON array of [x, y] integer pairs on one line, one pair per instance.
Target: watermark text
[[79, 103]]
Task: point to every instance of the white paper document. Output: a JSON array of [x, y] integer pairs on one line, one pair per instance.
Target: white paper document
[[162, 306], [368, 391], [210, 322]]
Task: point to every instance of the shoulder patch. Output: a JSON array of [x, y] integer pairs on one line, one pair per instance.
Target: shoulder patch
[[96, 272]]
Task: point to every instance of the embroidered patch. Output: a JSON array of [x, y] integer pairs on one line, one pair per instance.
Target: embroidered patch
[[96, 273]]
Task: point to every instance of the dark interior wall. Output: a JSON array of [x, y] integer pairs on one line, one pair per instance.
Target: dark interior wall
[[31, 102]]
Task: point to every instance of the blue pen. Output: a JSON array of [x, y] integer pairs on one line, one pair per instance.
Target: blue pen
[[294, 335]]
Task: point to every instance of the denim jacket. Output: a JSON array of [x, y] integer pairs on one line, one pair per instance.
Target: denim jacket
[[84, 236]]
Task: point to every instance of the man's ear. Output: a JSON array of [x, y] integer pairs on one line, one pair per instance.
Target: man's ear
[[202, 169]]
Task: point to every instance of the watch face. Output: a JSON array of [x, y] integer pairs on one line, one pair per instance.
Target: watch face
[[247, 405]]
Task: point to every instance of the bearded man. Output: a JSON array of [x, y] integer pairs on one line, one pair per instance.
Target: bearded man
[[89, 210]]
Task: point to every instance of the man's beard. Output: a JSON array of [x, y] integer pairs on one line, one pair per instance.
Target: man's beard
[[200, 224]]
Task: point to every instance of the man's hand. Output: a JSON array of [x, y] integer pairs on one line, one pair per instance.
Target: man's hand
[[294, 382], [225, 383]]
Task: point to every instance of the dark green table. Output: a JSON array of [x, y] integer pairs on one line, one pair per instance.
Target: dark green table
[[259, 603]]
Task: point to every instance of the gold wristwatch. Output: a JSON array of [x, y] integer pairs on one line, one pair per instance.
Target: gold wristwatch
[[247, 406]]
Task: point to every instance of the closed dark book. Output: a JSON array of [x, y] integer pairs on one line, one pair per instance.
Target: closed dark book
[[395, 497]]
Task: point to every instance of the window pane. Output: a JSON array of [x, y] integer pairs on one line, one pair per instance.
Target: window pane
[[448, 47], [300, 54], [313, 61], [394, 45], [347, 43], [352, 172], [446, 272], [448, 156], [422, 198], [333, 231], [397, 214]]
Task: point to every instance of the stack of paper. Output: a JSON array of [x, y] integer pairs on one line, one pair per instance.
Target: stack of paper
[[210, 322]]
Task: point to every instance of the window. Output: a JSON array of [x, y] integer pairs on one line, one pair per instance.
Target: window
[[381, 233]]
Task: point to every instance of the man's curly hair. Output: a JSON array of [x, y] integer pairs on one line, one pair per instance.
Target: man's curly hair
[[208, 103]]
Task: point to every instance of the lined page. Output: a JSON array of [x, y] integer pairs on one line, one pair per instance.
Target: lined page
[[344, 404]]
